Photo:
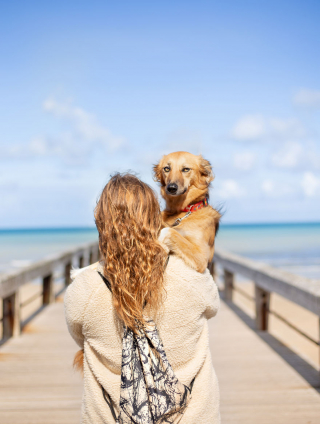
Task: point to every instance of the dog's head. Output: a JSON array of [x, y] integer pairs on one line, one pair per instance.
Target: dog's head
[[179, 172]]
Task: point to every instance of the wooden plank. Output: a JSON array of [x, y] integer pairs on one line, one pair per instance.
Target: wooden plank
[[301, 290], [38, 384], [256, 384], [299, 317]]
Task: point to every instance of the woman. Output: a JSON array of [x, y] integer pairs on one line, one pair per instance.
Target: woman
[[143, 284]]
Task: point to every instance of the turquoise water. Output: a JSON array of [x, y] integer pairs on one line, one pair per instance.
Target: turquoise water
[[295, 247], [19, 248]]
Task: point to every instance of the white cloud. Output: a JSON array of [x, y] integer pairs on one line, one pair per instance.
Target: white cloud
[[289, 156], [244, 161], [82, 137], [39, 146], [268, 186], [258, 127], [249, 127], [293, 154], [84, 124], [309, 98], [274, 188], [230, 189], [310, 184], [313, 156], [285, 128]]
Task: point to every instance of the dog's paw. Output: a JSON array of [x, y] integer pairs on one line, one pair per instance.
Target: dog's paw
[[163, 234]]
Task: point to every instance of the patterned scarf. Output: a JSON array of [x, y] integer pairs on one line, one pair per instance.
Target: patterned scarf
[[150, 392]]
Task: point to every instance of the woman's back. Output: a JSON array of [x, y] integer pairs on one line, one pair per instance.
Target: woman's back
[[190, 300], [128, 219]]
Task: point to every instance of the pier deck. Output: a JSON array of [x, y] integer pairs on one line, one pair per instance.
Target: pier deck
[[37, 382], [258, 386]]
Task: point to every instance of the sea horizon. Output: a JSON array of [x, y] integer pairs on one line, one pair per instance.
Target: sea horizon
[[227, 224], [294, 246]]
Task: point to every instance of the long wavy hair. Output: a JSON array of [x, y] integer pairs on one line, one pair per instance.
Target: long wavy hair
[[128, 220]]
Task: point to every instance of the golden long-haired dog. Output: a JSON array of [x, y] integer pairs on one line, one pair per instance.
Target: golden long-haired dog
[[191, 224]]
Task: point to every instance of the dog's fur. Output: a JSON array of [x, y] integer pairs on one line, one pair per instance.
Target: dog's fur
[[193, 239]]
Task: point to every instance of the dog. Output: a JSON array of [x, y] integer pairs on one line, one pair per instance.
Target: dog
[[190, 224]]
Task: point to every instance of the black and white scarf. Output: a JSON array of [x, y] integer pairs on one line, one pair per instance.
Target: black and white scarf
[[150, 392]]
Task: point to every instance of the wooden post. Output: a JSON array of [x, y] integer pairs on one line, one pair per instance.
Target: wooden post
[[81, 261], [99, 255], [212, 269], [319, 345], [262, 300], [228, 285], [47, 292], [91, 257], [67, 270], [11, 316], [94, 255]]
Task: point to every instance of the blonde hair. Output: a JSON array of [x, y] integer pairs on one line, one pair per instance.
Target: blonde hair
[[128, 220]]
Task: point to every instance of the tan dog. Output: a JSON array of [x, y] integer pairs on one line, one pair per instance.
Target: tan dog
[[185, 180]]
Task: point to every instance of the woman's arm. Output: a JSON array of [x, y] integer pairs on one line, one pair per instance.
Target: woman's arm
[[212, 297], [73, 313], [75, 302]]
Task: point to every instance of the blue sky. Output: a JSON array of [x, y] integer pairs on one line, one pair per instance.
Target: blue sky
[[90, 88]]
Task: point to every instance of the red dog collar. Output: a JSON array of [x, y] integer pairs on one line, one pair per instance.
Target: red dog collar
[[196, 206]]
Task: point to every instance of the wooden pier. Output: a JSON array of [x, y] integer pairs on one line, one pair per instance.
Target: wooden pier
[[262, 381]]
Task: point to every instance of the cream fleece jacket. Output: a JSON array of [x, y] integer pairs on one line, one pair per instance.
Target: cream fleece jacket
[[191, 299]]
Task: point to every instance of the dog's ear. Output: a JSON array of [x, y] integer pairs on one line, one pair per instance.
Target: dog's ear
[[157, 174], [205, 168]]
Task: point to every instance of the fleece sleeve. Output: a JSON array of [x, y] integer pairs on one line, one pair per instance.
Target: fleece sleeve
[[75, 301], [212, 297]]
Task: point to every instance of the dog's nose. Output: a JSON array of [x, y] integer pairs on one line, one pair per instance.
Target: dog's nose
[[172, 188]]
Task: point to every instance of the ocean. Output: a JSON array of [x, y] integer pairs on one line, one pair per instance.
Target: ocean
[[294, 247], [18, 248]]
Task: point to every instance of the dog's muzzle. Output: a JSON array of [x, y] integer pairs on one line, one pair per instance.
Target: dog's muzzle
[[172, 188]]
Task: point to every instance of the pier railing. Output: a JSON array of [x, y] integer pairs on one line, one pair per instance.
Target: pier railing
[[11, 283], [267, 280]]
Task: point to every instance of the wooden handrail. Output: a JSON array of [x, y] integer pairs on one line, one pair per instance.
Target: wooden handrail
[[300, 290], [11, 282], [267, 280]]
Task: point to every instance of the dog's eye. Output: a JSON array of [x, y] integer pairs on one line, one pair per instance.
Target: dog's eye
[[186, 170], [166, 169]]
